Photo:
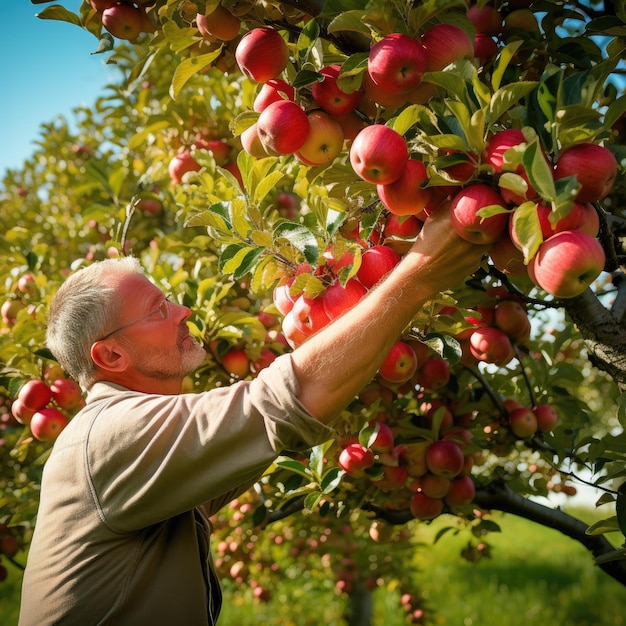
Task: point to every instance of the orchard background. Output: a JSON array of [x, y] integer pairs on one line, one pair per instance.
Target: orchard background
[[268, 193]]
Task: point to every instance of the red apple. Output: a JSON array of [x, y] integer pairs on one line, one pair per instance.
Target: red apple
[[523, 422], [27, 284], [406, 196], [262, 54], [354, 459], [399, 364], [507, 257], [394, 477], [272, 91], [101, 5], [67, 393], [217, 147], [182, 163], [324, 141], [547, 417], [10, 309], [485, 47], [497, 146], [445, 458], [486, 19], [340, 298], [236, 362], [376, 262], [35, 394], [123, 21], [47, 424], [21, 412], [520, 21], [293, 336], [220, 24], [282, 297], [309, 314], [445, 44], [379, 154], [413, 456], [434, 373], [465, 217], [374, 93], [330, 97], [461, 493], [396, 63], [424, 508], [251, 142], [283, 127], [567, 263], [383, 439], [402, 227], [491, 345], [434, 486], [594, 167], [511, 317]]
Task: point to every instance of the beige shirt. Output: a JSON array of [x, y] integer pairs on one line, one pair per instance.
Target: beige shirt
[[118, 538]]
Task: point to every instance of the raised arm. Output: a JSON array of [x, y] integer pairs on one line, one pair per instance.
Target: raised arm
[[338, 361]]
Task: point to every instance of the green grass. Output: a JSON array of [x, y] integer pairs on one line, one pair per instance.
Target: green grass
[[535, 576]]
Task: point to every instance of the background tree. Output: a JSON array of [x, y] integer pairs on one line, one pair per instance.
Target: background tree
[[258, 190]]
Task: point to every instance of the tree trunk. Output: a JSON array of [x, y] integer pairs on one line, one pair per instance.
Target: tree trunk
[[359, 606]]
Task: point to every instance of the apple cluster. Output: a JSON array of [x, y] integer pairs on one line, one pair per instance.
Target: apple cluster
[[426, 476], [9, 547], [44, 407], [125, 19]]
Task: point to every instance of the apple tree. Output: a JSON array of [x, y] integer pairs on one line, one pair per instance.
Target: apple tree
[[270, 162]]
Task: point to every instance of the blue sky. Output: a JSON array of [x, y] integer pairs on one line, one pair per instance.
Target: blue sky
[[47, 70]]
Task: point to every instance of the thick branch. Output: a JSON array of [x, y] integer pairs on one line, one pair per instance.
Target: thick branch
[[499, 496]]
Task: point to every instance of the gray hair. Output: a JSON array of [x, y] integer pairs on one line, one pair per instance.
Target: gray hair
[[82, 311]]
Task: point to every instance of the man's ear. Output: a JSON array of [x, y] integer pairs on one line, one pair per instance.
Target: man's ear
[[109, 356]]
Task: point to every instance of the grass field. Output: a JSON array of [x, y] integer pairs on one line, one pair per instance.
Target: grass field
[[535, 576]]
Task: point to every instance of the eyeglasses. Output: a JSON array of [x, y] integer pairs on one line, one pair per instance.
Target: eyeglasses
[[163, 310]]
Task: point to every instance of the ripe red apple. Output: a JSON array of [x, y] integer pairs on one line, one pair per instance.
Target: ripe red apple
[[101, 5], [217, 147], [402, 227], [547, 417], [9, 546], [283, 127], [396, 63], [123, 21], [567, 263], [309, 314], [21, 412], [220, 24], [497, 146], [340, 298], [67, 393], [236, 362], [376, 262], [35, 394], [251, 142], [383, 438], [330, 97], [486, 19], [324, 141], [523, 422], [379, 154], [507, 257], [47, 424], [485, 47], [182, 163], [265, 359], [491, 345], [434, 373], [394, 477], [282, 297], [27, 283], [445, 44], [399, 364], [375, 94], [354, 459], [406, 196], [461, 493], [262, 54], [594, 166], [272, 91], [511, 317], [293, 336], [424, 508], [464, 213], [434, 486], [445, 458], [10, 309]]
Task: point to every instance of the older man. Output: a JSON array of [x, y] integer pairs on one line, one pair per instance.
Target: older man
[[122, 536]]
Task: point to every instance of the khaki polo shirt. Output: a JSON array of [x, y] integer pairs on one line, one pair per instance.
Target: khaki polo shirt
[[119, 538]]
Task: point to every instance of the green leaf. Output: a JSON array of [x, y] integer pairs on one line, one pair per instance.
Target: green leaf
[[608, 525], [296, 467], [331, 479], [505, 97], [620, 508], [539, 171], [351, 21], [312, 500], [527, 229], [59, 13], [266, 185], [248, 263], [301, 238], [504, 59], [188, 68], [614, 111]]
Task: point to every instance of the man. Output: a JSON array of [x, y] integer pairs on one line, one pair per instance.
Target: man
[[120, 538]]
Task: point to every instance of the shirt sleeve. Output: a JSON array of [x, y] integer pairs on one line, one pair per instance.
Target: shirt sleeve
[[150, 457]]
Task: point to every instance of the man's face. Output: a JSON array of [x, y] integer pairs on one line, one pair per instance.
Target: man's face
[[160, 348]]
